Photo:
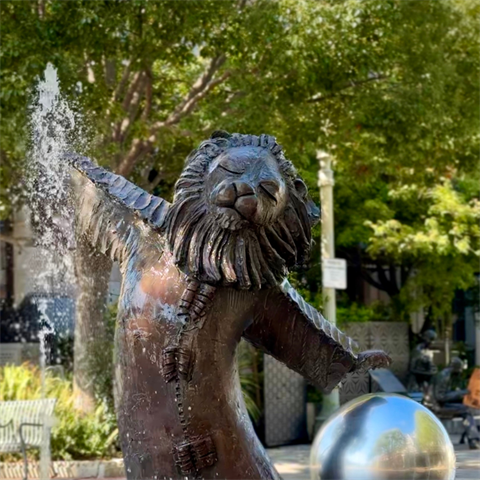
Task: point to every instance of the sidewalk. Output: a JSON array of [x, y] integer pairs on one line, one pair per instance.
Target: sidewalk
[[292, 461]]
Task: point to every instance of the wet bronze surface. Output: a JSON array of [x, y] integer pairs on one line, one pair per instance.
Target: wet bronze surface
[[198, 274]]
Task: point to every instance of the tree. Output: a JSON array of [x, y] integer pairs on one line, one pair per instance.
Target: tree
[[389, 87], [137, 69], [415, 172], [391, 90]]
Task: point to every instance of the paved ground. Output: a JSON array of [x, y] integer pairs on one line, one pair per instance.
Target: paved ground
[[292, 462]]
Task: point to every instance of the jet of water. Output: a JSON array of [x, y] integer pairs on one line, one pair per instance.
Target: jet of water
[[55, 127]]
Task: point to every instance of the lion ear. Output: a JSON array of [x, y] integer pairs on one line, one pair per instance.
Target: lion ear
[[220, 134], [301, 188], [313, 211]]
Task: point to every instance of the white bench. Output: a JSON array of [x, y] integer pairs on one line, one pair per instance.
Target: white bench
[[25, 424]]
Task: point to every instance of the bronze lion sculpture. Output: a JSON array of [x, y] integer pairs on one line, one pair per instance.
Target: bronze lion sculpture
[[198, 275]]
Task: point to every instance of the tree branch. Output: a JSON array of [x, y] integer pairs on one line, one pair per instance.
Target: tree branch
[[110, 71], [393, 279], [389, 284], [148, 96], [352, 84], [368, 277], [405, 273], [123, 82], [199, 89], [89, 69], [204, 84], [130, 106], [132, 109], [41, 9], [189, 106], [151, 185], [134, 87]]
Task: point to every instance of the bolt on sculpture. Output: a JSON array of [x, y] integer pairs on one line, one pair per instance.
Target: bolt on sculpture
[[198, 275]]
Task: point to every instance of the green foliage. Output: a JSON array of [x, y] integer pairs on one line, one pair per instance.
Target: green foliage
[[83, 436], [314, 395], [308, 283], [451, 226], [248, 364], [357, 313], [391, 90], [102, 363], [443, 244], [429, 435], [76, 435], [391, 441], [389, 87]]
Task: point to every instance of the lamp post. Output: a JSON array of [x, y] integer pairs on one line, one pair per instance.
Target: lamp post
[[331, 402]]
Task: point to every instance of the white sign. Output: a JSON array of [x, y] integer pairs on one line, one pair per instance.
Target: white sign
[[334, 273]]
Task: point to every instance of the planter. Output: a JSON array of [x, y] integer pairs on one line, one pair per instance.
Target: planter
[[67, 469]]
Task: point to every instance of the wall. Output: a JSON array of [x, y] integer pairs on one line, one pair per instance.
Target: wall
[[33, 270], [285, 397], [392, 337]]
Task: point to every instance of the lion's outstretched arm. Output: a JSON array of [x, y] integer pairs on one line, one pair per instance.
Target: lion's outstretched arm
[[292, 331], [112, 213]]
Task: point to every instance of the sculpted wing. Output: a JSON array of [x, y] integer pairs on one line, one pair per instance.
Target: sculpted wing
[[288, 328], [113, 213]]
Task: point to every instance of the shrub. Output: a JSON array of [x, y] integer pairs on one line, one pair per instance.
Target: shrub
[[357, 313], [76, 435], [248, 361]]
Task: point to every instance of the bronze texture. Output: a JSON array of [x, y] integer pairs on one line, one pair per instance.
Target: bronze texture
[[198, 274]]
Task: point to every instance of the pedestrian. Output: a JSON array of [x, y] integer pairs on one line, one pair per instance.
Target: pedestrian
[[445, 399]]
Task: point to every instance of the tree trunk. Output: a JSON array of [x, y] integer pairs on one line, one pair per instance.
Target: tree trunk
[[447, 339], [92, 271]]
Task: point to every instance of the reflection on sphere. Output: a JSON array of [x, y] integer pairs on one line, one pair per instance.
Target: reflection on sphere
[[382, 437]]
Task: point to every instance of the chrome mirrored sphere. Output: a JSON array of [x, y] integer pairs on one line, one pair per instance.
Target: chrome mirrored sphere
[[382, 437]]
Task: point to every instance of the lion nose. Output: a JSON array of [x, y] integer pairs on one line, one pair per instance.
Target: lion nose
[[247, 206], [225, 195], [243, 189], [238, 195], [247, 202]]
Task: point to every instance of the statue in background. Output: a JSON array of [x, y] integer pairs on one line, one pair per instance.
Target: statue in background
[[198, 275], [422, 368], [445, 397]]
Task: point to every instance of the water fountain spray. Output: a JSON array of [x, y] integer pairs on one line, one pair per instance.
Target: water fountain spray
[[53, 127]]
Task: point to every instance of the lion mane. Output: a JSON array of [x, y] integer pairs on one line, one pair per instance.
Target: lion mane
[[250, 258]]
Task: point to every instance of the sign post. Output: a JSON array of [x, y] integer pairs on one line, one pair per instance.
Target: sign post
[[331, 402], [334, 273]]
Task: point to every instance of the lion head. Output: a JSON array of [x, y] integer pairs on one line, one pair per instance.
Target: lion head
[[241, 216]]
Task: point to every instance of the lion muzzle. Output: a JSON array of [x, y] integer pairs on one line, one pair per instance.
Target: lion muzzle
[[239, 196]]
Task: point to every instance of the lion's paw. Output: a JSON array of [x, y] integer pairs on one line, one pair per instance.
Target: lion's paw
[[371, 359]]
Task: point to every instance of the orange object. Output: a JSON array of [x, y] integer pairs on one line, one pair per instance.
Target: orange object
[[473, 398]]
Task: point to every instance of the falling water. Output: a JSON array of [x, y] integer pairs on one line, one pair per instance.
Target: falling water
[[54, 126], [46, 329]]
